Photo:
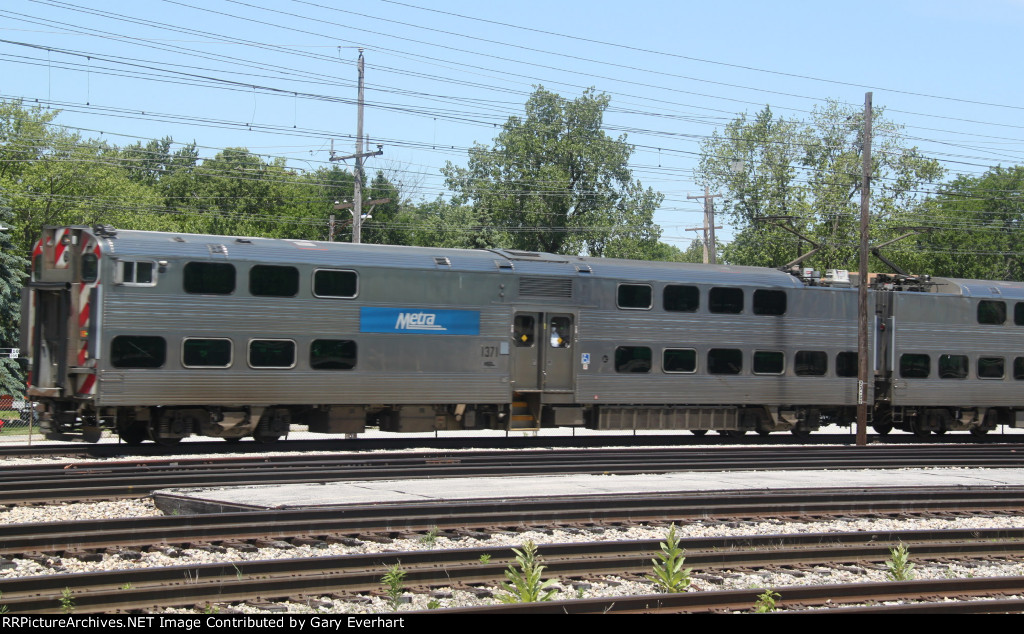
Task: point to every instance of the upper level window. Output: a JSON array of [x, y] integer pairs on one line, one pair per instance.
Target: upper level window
[[1018, 313], [991, 312], [681, 299], [210, 278], [135, 351], [273, 281], [132, 273], [725, 300], [769, 302], [636, 296], [333, 283]]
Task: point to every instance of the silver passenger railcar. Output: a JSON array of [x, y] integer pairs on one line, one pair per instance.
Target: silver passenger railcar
[[164, 335]]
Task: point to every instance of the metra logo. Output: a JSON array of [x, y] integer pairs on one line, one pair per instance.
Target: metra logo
[[418, 321]]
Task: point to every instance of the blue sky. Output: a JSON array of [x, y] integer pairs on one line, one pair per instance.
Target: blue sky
[[445, 74]]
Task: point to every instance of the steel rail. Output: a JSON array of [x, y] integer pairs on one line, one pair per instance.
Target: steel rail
[[149, 588]]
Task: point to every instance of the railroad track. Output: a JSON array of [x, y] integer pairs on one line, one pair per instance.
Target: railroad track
[[304, 579], [94, 480]]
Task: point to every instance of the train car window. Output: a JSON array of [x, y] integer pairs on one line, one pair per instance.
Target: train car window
[[1018, 368], [915, 366], [991, 367], [209, 278], [331, 283], [810, 363], [1018, 314], [523, 329], [679, 360], [769, 362], [133, 273], [90, 267], [681, 299], [273, 281], [725, 361], [272, 353], [991, 312], [769, 302], [206, 353], [952, 366], [725, 300], [134, 351], [635, 296], [846, 364], [561, 332], [633, 359], [332, 354]]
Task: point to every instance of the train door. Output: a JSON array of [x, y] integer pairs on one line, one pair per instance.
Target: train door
[[542, 348], [49, 337]]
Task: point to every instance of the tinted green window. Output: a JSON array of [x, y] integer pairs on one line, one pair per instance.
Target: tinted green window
[[769, 302], [991, 312], [634, 296], [330, 283], [681, 299], [846, 364], [210, 278], [952, 366], [769, 362], [274, 281], [810, 363], [725, 300], [679, 360], [271, 353], [632, 359], [915, 366], [206, 353], [725, 361], [332, 354], [991, 367], [130, 351], [90, 267]]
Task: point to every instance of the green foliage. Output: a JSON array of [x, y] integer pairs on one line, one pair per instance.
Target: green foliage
[[67, 601], [810, 173], [12, 276], [433, 604], [525, 584], [669, 574], [485, 558], [555, 181], [766, 602], [898, 564], [430, 538], [394, 584]]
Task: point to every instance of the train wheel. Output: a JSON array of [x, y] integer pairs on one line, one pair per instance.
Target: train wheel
[[698, 432], [132, 433], [154, 435], [883, 424], [265, 438], [915, 426], [978, 431], [232, 441], [801, 432]]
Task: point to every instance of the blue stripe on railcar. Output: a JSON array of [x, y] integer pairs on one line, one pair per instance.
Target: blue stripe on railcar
[[419, 321]]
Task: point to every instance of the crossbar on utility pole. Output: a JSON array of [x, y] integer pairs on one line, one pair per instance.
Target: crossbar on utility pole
[[862, 286], [710, 247]]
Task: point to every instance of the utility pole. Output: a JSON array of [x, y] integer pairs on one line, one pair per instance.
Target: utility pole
[[862, 286], [710, 247], [357, 212]]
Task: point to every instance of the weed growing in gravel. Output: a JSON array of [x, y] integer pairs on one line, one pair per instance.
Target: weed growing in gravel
[[525, 584], [900, 568], [669, 574], [766, 602], [67, 601], [433, 604], [430, 539], [485, 558], [394, 583]]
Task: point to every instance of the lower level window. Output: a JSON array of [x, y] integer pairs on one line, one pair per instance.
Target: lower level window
[[272, 353], [206, 353], [725, 361], [332, 354], [679, 360], [915, 366], [134, 351], [632, 359]]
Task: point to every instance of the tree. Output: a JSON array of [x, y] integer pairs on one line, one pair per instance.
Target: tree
[[808, 175], [12, 273], [555, 181]]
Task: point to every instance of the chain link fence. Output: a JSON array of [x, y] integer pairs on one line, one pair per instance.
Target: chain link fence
[[19, 423]]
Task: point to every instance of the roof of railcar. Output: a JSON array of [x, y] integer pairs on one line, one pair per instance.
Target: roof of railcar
[[154, 244]]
